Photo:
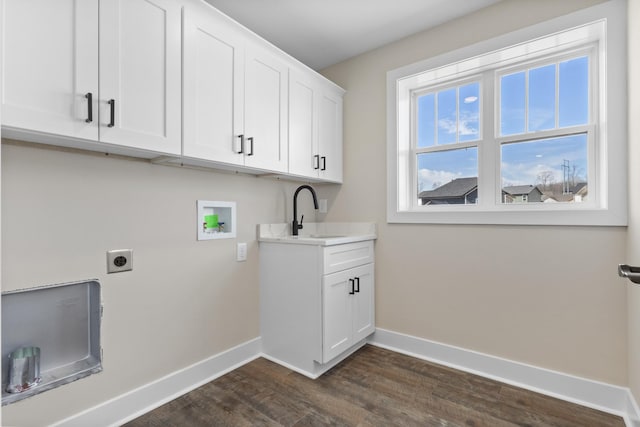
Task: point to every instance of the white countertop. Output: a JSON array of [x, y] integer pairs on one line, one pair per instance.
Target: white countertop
[[318, 233]]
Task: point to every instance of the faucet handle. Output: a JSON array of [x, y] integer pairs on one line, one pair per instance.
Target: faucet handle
[[301, 219]]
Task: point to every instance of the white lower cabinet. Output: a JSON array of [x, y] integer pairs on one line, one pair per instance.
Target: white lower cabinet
[[316, 303], [347, 309]]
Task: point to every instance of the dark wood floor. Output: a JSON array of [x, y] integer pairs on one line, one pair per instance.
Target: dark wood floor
[[373, 387]]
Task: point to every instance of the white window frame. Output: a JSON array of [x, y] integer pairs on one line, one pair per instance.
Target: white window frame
[[603, 27], [440, 147]]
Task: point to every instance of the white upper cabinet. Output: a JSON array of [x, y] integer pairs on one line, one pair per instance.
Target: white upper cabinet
[[315, 127], [265, 110], [213, 88], [50, 70], [140, 74], [303, 125], [330, 136], [235, 95], [106, 71], [176, 77]]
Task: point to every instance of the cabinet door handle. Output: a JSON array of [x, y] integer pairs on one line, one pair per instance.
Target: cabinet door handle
[[352, 291], [241, 144], [89, 97], [250, 139], [324, 163], [112, 119], [316, 161], [357, 284]]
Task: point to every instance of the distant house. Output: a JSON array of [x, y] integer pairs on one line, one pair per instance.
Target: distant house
[[464, 191], [460, 191], [521, 194], [577, 193]]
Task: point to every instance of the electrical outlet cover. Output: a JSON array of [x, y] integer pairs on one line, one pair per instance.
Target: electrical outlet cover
[[119, 260]]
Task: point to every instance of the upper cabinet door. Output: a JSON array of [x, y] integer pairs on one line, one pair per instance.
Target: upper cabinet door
[[50, 54], [140, 74], [265, 110], [213, 88], [304, 158], [330, 136]]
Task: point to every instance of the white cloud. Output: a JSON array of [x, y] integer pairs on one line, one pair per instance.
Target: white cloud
[[427, 178], [468, 124]]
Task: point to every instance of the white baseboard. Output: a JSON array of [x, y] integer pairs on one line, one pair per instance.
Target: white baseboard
[[131, 405], [593, 394], [633, 412]]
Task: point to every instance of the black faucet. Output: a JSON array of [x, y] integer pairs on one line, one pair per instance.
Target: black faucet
[[296, 226]]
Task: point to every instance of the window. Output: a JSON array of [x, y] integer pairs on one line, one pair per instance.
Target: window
[[546, 128], [524, 129]]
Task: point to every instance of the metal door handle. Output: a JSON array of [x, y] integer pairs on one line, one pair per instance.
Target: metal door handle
[[112, 116], [250, 139], [89, 97], [631, 273], [241, 144]]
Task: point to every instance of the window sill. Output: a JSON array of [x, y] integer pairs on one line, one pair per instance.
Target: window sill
[[515, 216]]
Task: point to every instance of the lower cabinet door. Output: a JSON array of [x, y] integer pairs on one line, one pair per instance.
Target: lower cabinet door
[[347, 309], [363, 303], [336, 314]]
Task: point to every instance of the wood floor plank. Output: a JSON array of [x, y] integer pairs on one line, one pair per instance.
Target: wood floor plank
[[372, 387]]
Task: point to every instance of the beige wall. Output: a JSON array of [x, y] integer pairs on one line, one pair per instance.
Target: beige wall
[[184, 300], [547, 296], [633, 256]]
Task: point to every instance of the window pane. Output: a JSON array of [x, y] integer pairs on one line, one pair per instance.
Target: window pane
[[548, 170], [447, 123], [426, 120], [469, 114], [512, 103], [542, 98], [574, 92], [448, 177]]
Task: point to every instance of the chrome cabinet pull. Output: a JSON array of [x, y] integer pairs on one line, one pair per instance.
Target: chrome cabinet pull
[[631, 273]]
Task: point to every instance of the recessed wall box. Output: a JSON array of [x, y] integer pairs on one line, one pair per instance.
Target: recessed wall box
[[63, 321], [216, 220]]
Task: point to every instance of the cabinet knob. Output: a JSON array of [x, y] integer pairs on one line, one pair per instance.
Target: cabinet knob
[[352, 291], [357, 284]]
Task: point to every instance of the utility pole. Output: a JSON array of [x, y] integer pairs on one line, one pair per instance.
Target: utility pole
[[566, 169]]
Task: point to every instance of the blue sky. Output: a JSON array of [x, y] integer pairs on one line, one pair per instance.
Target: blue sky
[[452, 115]]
